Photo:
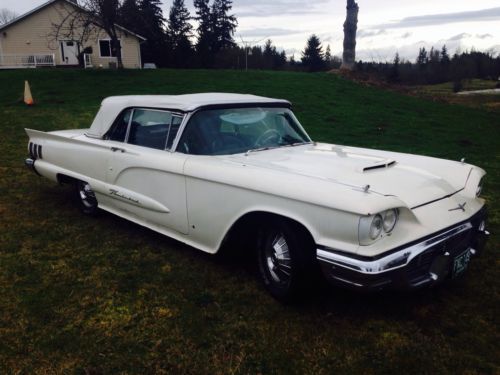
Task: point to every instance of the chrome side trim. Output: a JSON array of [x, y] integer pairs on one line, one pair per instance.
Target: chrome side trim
[[392, 261]]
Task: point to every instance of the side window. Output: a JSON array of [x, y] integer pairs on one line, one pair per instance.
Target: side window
[[150, 128], [119, 128]]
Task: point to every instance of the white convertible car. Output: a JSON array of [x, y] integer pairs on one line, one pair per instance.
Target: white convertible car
[[208, 168]]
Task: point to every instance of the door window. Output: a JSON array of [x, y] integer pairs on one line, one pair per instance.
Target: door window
[[149, 128], [146, 127], [118, 131]]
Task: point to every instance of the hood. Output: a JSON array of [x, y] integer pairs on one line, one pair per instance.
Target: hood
[[415, 180]]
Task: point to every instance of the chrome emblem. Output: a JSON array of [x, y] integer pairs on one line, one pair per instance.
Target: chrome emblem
[[460, 207]]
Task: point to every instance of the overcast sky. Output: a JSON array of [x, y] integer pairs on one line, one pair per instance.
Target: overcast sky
[[385, 26]]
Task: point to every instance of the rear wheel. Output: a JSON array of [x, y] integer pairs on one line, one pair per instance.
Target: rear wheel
[[285, 257], [85, 198]]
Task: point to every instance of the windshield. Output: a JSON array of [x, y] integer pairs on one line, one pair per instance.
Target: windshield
[[238, 130]]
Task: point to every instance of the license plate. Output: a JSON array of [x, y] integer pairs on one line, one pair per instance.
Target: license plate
[[460, 263]]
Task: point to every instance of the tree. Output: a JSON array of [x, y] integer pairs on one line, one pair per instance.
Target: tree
[[179, 32], [312, 56], [6, 15], [328, 57], [205, 32], [151, 25], [129, 14], [350, 28], [394, 73], [422, 58], [224, 24], [178, 23], [445, 58]]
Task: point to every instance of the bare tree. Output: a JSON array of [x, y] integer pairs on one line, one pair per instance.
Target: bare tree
[[87, 21], [6, 15], [350, 27]]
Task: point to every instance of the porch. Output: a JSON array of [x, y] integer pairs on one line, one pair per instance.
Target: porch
[[37, 60]]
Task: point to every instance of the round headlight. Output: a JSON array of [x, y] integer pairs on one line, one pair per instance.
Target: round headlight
[[376, 227], [390, 219]]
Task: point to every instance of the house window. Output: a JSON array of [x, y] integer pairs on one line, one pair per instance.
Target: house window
[[105, 48]]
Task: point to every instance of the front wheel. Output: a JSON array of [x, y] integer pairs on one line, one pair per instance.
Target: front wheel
[[285, 258], [85, 198]]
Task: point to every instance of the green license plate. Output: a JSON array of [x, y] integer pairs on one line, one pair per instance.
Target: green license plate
[[460, 263]]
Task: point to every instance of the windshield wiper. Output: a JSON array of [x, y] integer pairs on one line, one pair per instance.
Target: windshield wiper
[[279, 146], [260, 149], [296, 144]]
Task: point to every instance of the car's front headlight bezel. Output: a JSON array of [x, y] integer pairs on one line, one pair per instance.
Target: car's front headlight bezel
[[373, 227], [479, 188]]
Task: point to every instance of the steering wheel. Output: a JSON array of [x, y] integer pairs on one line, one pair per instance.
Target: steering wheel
[[268, 136]]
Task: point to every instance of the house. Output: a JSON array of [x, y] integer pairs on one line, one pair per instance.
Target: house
[[31, 40]]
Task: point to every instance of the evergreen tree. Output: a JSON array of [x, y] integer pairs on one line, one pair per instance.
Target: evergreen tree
[[178, 23], [434, 56], [280, 60], [205, 32], [179, 31], [268, 54], [312, 56], [445, 58], [422, 57], [224, 24], [129, 13], [152, 22], [394, 74], [328, 57]]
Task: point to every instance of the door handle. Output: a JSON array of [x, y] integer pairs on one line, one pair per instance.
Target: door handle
[[114, 149]]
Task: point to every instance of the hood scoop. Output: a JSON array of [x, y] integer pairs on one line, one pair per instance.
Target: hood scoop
[[381, 165]]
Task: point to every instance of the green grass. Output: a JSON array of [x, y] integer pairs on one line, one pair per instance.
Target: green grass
[[82, 295], [444, 92]]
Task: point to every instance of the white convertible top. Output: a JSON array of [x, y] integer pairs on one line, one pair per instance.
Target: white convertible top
[[112, 106]]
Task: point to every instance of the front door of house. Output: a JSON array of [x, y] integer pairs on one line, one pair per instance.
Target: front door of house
[[69, 52]]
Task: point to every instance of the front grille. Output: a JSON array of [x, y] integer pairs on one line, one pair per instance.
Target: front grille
[[419, 268]]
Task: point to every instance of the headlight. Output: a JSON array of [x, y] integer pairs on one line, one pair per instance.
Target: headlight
[[376, 227], [479, 188], [371, 228], [390, 219]]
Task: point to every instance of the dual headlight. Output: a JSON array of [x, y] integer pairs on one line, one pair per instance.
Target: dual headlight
[[371, 228]]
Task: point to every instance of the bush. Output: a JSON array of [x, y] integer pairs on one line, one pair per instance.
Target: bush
[[457, 86]]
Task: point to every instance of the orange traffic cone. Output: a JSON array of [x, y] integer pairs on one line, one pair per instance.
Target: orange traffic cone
[[28, 99]]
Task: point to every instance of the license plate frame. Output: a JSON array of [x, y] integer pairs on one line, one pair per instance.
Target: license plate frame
[[461, 263]]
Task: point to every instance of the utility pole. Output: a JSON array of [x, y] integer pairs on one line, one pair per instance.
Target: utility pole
[[247, 45]]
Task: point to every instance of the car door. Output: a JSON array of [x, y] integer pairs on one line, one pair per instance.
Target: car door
[[145, 178]]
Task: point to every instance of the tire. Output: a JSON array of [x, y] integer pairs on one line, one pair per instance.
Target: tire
[[85, 198], [285, 255]]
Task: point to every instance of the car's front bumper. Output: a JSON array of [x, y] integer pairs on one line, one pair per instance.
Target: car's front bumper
[[424, 262]]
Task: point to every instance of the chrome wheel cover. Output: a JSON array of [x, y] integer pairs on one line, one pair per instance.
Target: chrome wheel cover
[[278, 259], [86, 194]]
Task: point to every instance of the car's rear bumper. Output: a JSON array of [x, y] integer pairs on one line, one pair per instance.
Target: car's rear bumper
[[425, 262], [30, 163]]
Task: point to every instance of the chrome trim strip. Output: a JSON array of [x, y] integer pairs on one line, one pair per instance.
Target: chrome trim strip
[[392, 261]]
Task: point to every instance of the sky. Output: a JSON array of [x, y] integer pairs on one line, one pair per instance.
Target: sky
[[384, 28]]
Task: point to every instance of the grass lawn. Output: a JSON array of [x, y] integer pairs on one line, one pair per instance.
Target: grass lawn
[[444, 91], [103, 295]]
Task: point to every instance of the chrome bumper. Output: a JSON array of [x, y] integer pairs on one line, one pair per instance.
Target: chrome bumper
[[30, 163], [417, 264]]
